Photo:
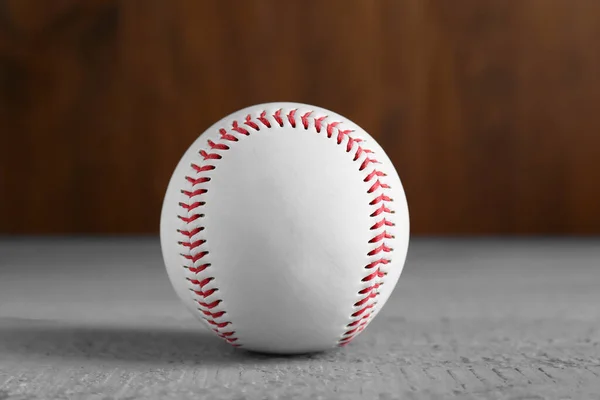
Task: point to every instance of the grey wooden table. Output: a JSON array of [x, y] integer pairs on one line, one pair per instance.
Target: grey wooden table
[[483, 318]]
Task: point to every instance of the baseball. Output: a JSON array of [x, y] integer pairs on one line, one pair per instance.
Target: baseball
[[285, 228]]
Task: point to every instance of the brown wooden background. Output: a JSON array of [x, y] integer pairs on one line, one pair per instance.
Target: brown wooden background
[[489, 109]]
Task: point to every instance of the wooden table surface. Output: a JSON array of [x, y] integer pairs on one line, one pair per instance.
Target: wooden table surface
[[470, 318]]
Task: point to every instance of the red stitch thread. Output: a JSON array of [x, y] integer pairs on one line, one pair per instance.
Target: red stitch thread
[[217, 146], [195, 257], [319, 123], [350, 332], [277, 117], [382, 223], [382, 248], [197, 181], [200, 268], [360, 320], [379, 199], [377, 274], [350, 144], [361, 327], [341, 135], [192, 206], [192, 245], [201, 283], [264, 120], [381, 210], [202, 169], [330, 127], [292, 118], [210, 156], [366, 162], [227, 136], [236, 127], [218, 324], [381, 236], [359, 152], [210, 305], [371, 295], [373, 174], [251, 123], [364, 309], [212, 315], [204, 293], [194, 193], [187, 220], [304, 119], [192, 232], [370, 289], [377, 185], [376, 263], [360, 317]]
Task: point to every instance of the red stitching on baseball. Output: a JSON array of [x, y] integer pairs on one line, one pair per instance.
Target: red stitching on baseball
[[195, 257], [212, 315], [209, 156], [217, 146], [262, 118], [330, 127], [366, 163], [358, 153], [199, 169], [361, 317], [277, 117], [227, 136], [364, 309], [319, 123], [381, 236], [192, 232], [359, 320], [205, 293], [211, 304], [373, 174], [197, 181], [381, 210], [292, 118], [304, 119], [193, 245], [377, 274], [377, 185], [187, 220], [379, 199], [376, 263], [236, 127], [370, 289], [218, 324], [192, 206], [193, 193], [251, 123], [341, 135], [382, 248], [371, 295], [199, 268], [381, 223], [201, 283]]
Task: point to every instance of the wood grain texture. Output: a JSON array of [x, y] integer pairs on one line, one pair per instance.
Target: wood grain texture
[[487, 108], [469, 319]]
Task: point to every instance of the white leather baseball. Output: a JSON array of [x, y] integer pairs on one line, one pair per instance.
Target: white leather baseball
[[285, 228]]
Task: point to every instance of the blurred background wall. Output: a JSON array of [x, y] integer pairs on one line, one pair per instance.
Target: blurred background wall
[[488, 108]]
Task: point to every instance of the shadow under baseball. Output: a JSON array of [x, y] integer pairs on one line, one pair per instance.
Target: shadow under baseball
[[21, 339]]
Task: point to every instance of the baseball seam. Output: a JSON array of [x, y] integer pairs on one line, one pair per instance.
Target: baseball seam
[[194, 246]]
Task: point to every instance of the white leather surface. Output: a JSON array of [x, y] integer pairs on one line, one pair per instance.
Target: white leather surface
[[286, 220]]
